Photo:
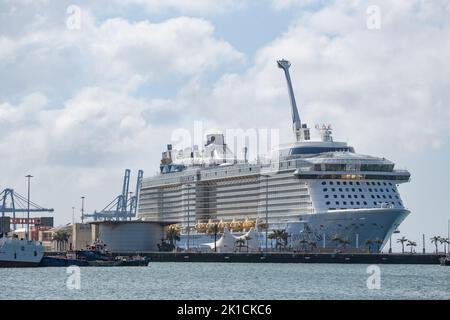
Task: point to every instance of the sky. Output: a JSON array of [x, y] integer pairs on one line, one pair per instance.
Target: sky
[[88, 89]]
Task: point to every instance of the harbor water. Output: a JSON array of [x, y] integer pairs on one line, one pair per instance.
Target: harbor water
[[228, 281]]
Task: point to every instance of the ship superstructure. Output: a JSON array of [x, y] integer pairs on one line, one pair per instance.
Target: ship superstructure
[[320, 190]]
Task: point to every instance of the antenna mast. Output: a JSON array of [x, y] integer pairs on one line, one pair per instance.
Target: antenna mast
[[301, 131]]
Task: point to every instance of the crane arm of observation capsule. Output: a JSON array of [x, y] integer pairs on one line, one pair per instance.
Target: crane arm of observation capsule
[[296, 122]]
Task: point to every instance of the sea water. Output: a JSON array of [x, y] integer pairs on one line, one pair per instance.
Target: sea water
[[189, 280]]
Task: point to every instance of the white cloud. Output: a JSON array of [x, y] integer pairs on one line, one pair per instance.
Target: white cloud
[[383, 90], [70, 102], [183, 6], [115, 53], [75, 110]]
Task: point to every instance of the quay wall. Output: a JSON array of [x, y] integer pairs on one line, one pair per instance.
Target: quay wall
[[349, 258]]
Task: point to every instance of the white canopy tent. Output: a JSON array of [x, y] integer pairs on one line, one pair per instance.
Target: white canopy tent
[[227, 242]]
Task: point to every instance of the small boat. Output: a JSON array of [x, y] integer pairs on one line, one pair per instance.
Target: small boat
[[445, 261], [134, 261], [16, 252], [62, 261]]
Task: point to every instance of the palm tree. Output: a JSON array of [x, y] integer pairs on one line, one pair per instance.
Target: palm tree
[[344, 242], [240, 243], [369, 244], [280, 236], [447, 241], [336, 238], [444, 241], [379, 242], [402, 241], [213, 228], [61, 237], [435, 240], [173, 235], [304, 242], [312, 244], [411, 244]]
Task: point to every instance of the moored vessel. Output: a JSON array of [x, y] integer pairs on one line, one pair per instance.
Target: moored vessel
[[16, 252], [319, 192]]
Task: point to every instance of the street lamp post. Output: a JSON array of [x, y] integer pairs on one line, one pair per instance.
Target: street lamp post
[[82, 209], [423, 243], [28, 208], [188, 225]]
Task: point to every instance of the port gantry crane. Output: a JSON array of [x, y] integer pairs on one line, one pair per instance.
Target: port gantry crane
[[122, 207], [18, 203]]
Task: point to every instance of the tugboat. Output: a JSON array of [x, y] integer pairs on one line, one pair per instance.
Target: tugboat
[[16, 252]]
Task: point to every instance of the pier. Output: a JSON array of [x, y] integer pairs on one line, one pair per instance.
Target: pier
[[284, 257]]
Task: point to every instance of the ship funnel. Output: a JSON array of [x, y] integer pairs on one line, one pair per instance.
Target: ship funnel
[[301, 131]]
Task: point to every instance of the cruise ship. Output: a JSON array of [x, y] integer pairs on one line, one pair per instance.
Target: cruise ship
[[320, 191]]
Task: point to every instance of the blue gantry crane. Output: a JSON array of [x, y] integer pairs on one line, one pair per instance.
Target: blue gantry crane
[[124, 206], [17, 203]]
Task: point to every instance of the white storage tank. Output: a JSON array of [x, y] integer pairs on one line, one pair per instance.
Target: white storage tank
[[128, 236]]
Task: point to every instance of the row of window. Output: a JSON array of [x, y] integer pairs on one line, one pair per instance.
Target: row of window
[[367, 183], [362, 196], [359, 189], [359, 203]]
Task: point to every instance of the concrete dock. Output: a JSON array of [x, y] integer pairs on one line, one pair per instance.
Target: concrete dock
[[286, 257]]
